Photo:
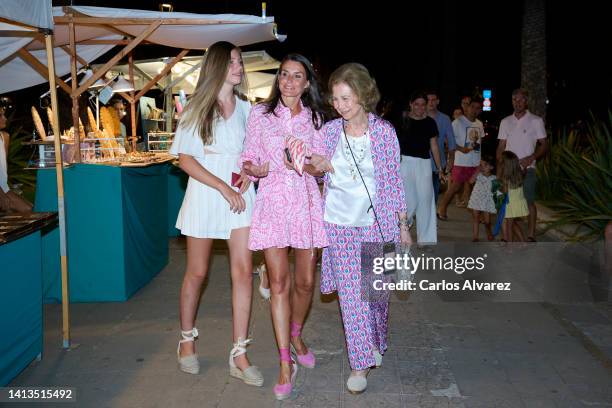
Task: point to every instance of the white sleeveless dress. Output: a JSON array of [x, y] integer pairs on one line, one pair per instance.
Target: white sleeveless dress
[[204, 212]]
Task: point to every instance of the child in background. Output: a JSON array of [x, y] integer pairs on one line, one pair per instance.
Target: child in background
[[481, 199], [512, 179]]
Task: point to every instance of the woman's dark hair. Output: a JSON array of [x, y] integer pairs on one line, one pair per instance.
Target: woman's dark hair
[[311, 97], [417, 95]]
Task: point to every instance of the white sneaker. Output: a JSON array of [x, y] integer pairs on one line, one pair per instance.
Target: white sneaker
[[378, 358], [357, 383]]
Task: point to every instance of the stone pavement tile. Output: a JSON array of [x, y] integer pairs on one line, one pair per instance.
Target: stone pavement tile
[[389, 363], [425, 379], [124, 389], [236, 394], [591, 394], [541, 398], [381, 384], [300, 400], [159, 392], [599, 333], [429, 401], [412, 335], [480, 375], [531, 374], [579, 367], [511, 340], [370, 399], [494, 401], [325, 382], [311, 400], [326, 399], [554, 343], [461, 337], [533, 318], [452, 314], [408, 356]]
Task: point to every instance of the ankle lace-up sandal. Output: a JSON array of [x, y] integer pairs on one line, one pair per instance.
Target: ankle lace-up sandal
[[283, 391], [250, 375], [188, 364], [306, 360]]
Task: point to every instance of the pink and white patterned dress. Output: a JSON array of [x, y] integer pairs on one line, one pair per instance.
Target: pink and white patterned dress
[[288, 209]]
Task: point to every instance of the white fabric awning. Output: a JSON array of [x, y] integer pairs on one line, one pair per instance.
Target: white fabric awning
[[17, 74], [235, 28], [254, 61], [199, 32], [23, 16], [32, 13]]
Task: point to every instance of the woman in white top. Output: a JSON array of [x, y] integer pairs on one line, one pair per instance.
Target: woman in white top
[[208, 142], [364, 202], [9, 201]]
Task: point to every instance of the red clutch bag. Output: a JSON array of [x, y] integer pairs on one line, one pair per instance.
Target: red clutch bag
[[236, 182]]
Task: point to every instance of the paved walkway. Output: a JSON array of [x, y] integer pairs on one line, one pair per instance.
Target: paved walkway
[[441, 354]]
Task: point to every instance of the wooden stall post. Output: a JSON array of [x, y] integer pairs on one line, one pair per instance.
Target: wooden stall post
[[59, 170], [132, 101], [74, 95]]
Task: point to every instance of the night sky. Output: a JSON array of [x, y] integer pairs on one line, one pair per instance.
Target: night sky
[[450, 46]]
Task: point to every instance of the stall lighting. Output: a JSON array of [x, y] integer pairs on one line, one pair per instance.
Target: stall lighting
[[122, 85]]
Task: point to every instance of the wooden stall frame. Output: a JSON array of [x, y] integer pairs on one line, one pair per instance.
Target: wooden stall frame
[[48, 73]]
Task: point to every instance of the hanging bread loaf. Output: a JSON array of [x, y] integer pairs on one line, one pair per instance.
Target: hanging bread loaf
[[81, 129], [38, 124], [50, 118], [92, 121], [108, 144], [110, 121], [116, 122]]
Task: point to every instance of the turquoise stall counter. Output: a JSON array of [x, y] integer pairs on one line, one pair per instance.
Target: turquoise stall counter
[[116, 227], [21, 306], [177, 184]]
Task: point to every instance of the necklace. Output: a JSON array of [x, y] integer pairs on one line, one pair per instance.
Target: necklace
[[359, 148]]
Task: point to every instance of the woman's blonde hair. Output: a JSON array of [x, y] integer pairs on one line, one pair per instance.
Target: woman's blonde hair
[[358, 78], [203, 109], [511, 173]]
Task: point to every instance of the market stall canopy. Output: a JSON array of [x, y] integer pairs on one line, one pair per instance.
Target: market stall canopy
[[17, 18], [184, 74], [180, 30], [17, 74], [260, 84]]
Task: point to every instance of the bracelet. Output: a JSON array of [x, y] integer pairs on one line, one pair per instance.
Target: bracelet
[[403, 222]]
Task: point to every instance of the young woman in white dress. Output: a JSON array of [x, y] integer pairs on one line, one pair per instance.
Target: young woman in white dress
[[208, 142]]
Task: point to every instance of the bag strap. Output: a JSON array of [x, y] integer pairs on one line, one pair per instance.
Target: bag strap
[[363, 182]]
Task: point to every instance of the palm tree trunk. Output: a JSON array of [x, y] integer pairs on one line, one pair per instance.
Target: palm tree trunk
[[533, 54]]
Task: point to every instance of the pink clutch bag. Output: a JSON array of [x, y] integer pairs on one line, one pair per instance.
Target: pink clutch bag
[[236, 180], [297, 152]]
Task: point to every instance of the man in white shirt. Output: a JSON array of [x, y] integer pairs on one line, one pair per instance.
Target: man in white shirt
[[468, 131], [523, 133]]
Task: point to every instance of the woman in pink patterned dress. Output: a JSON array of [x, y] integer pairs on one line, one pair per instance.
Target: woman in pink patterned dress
[[288, 209], [363, 160]]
